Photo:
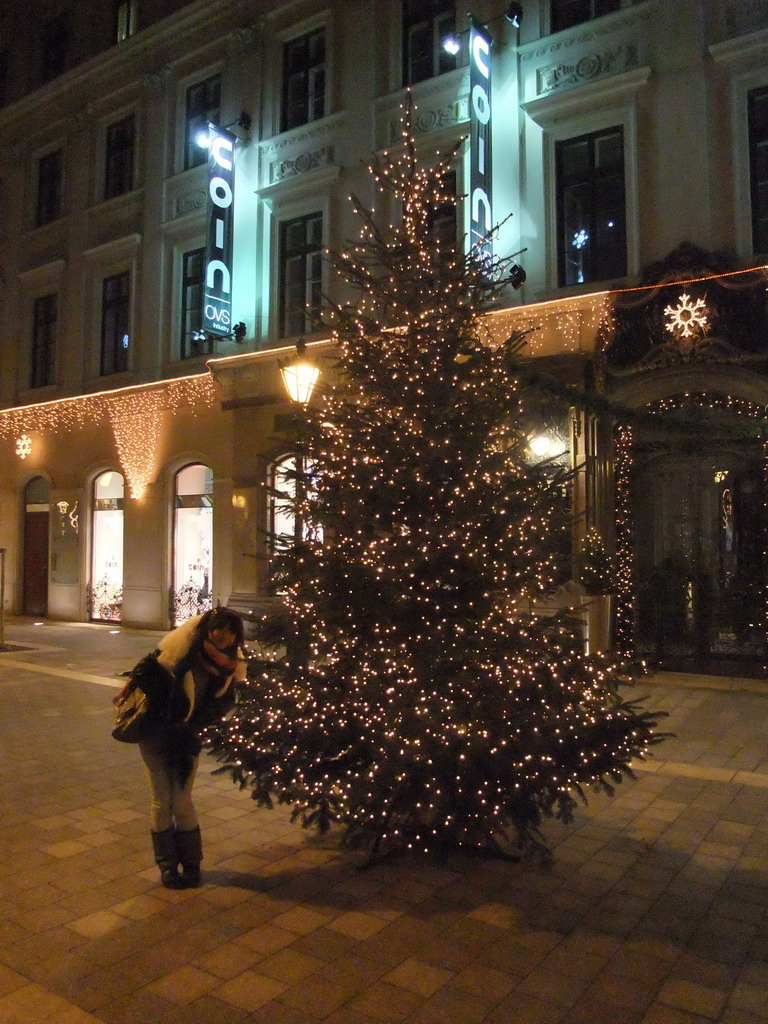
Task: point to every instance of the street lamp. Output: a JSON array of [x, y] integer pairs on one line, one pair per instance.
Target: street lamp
[[299, 375]]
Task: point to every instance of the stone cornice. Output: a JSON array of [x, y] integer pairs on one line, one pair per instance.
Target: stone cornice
[[159, 46], [599, 30], [610, 91]]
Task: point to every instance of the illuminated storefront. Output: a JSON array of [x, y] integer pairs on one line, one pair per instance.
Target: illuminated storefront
[[106, 589], [192, 542]]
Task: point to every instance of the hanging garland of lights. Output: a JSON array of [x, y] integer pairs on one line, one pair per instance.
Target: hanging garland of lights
[[625, 583], [133, 414], [624, 440]]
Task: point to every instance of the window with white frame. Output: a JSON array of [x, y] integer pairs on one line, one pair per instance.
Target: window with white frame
[[591, 207], [4, 78], [289, 482], [303, 79], [426, 25], [192, 305], [203, 104], [301, 266], [44, 317], [119, 157], [567, 13], [115, 317], [443, 219], [757, 108], [49, 187], [54, 47], [125, 19]]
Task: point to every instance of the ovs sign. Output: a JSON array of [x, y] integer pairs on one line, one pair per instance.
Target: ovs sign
[[480, 184], [217, 291]]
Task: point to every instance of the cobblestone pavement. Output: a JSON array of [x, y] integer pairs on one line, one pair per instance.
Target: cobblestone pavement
[[653, 911]]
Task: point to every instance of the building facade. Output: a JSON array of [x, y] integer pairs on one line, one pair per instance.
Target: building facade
[[142, 456]]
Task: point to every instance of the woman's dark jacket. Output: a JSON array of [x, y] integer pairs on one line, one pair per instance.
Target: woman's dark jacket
[[178, 718]]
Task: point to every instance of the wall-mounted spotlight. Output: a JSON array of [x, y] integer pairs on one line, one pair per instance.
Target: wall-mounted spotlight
[[517, 276], [237, 334], [202, 138], [514, 14]]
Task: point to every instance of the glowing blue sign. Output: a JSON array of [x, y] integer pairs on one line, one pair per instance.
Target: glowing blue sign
[[217, 290], [480, 184]]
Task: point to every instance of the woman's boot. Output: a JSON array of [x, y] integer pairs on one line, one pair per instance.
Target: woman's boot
[[167, 857], [190, 847]]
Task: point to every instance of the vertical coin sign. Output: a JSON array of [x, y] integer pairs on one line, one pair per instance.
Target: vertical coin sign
[[217, 294], [480, 184]]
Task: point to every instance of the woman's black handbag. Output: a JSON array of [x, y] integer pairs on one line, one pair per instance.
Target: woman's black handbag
[[133, 716]]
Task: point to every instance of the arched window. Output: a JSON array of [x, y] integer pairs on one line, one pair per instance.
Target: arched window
[[287, 476], [105, 593], [192, 542]]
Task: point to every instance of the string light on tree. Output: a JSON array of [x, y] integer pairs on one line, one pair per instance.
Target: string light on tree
[[412, 698]]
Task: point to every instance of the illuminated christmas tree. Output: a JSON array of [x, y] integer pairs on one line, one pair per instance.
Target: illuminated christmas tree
[[416, 700]]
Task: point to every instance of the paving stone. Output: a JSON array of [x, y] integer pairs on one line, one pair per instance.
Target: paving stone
[[249, 990], [486, 982], [526, 1009], [94, 926], [357, 924], [185, 985], [289, 966], [33, 1003], [662, 1014], [325, 944], [385, 1003], [653, 911], [266, 939], [694, 998], [418, 977], [322, 993]]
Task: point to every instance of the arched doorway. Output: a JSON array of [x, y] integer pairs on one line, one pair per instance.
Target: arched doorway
[[192, 543], [698, 513], [105, 593], [36, 534]]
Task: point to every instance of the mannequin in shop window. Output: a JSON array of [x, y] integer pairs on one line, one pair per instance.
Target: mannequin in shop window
[[190, 680]]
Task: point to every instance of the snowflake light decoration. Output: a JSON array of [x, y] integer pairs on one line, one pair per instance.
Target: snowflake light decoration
[[23, 446], [686, 317]]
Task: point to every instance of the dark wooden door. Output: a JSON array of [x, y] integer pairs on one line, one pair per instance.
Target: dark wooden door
[[35, 563]]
